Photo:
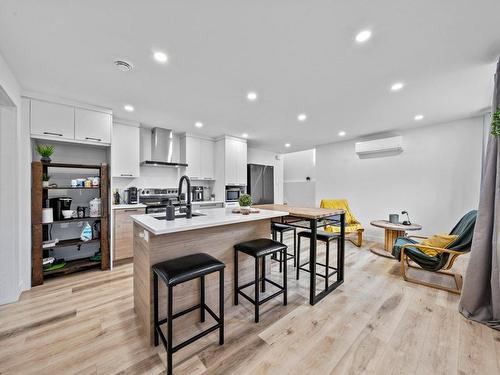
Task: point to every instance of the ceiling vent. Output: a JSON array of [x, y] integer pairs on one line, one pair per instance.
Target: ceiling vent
[[390, 145]]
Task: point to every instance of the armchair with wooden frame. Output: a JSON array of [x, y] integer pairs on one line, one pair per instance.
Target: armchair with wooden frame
[[352, 226], [406, 249]]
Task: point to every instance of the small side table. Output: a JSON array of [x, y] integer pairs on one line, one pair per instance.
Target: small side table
[[392, 231]]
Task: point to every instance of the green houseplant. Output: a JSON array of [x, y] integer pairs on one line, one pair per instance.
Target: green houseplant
[[45, 151], [495, 124], [245, 202], [45, 180]]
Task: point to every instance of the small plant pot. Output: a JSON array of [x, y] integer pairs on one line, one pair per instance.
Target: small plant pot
[[45, 184], [245, 210], [45, 159]]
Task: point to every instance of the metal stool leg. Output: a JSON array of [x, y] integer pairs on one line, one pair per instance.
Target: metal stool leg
[[263, 284], [285, 278], [169, 335], [235, 277], [295, 247], [298, 258], [281, 253], [202, 299], [256, 290], [221, 307], [327, 269], [155, 307]]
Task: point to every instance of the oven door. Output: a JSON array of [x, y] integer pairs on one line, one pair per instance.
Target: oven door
[[155, 209], [232, 195]]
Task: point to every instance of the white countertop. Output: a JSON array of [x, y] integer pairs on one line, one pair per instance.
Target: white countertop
[[125, 206], [212, 218], [201, 203]]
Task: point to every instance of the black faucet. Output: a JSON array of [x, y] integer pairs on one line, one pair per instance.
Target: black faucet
[[188, 195]]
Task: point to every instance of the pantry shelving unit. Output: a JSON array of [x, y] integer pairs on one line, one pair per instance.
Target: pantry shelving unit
[[40, 230]]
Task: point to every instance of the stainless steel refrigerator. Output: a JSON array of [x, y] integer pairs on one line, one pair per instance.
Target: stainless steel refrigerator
[[260, 183]]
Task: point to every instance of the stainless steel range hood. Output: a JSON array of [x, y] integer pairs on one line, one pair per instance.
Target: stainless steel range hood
[[161, 149]]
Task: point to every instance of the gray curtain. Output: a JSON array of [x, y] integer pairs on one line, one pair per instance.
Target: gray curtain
[[480, 299]]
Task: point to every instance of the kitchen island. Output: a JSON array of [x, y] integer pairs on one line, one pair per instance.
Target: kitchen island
[[212, 231]]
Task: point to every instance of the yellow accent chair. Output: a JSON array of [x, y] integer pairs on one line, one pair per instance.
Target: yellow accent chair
[[351, 224]]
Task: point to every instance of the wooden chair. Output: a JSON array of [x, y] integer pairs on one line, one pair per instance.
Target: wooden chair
[[352, 226], [406, 249]]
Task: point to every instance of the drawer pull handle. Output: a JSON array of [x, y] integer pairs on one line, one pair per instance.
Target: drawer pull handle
[[50, 133], [126, 174], [93, 139], [131, 210]]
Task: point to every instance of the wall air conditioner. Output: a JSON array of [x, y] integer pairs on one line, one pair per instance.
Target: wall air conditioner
[[379, 146]]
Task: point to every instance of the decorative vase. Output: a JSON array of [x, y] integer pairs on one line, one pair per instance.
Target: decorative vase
[[245, 210], [45, 159]]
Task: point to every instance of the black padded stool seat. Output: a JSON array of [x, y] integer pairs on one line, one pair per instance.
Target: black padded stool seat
[[260, 247], [321, 235], [174, 272], [189, 267], [281, 227]]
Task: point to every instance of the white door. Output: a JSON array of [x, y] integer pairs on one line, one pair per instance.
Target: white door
[[92, 126], [207, 158], [50, 119], [231, 162], [193, 157], [242, 163], [125, 156]]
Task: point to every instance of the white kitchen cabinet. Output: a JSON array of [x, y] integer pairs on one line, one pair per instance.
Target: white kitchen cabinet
[[235, 161], [207, 149], [51, 119], [198, 154], [125, 151], [92, 126]]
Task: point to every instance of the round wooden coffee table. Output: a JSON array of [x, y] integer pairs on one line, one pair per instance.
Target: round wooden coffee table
[[392, 231]]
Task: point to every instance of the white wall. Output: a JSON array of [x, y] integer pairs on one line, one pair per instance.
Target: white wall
[[436, 178], [297, 167], [256, 156], [14, 192]]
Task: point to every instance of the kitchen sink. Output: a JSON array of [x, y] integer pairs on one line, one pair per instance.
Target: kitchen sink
[[179, 216]]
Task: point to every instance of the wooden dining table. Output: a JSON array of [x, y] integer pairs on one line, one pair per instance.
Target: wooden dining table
[[312, 218]]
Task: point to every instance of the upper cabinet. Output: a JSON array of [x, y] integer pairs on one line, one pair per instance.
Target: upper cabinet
[[125, 151], [198, 154], [92, 126], [235, 161], [69, 123], [51, 119]]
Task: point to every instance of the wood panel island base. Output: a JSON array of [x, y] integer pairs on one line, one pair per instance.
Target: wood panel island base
[[215, 233]]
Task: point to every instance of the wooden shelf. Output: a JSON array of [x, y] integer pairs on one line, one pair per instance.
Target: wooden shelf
[[72, 188], [74, 220], [74, 266], [71, 242]]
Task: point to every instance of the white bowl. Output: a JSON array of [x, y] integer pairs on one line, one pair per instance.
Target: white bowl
[[67, 214]]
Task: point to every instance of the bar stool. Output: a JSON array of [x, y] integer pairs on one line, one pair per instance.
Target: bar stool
[[177, 271], [326, 237], [282, 228], [259, 249]]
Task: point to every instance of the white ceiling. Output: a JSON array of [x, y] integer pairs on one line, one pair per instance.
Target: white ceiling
[[299, 56]]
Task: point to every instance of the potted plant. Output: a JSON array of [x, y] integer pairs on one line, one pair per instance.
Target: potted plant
[[245, 203], [45, 151], [495, 124], [45, 180]]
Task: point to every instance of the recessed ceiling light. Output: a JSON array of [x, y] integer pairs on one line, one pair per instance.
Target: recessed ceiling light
[[123, 66], [128, 108], [198, 124], [342, 133], [419, 117], [244, 135], [252, 96], [397, 86], [287, 144], [302, 117], [161, 57], [363, 36]]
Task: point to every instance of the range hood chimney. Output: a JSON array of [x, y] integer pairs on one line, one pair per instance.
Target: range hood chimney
[[161, 149]]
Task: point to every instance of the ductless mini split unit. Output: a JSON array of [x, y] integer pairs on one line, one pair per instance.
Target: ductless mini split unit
[[379, 146]]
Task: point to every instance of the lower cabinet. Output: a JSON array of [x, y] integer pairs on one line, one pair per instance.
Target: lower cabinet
[[123, 232]]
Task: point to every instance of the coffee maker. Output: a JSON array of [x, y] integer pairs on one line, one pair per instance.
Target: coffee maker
[[58, 205], [132, 195]]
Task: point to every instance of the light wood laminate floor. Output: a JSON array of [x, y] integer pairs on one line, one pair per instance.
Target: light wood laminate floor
[[373, 324]]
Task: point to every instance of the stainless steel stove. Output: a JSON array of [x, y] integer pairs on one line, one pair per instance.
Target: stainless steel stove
[[157, 199]]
